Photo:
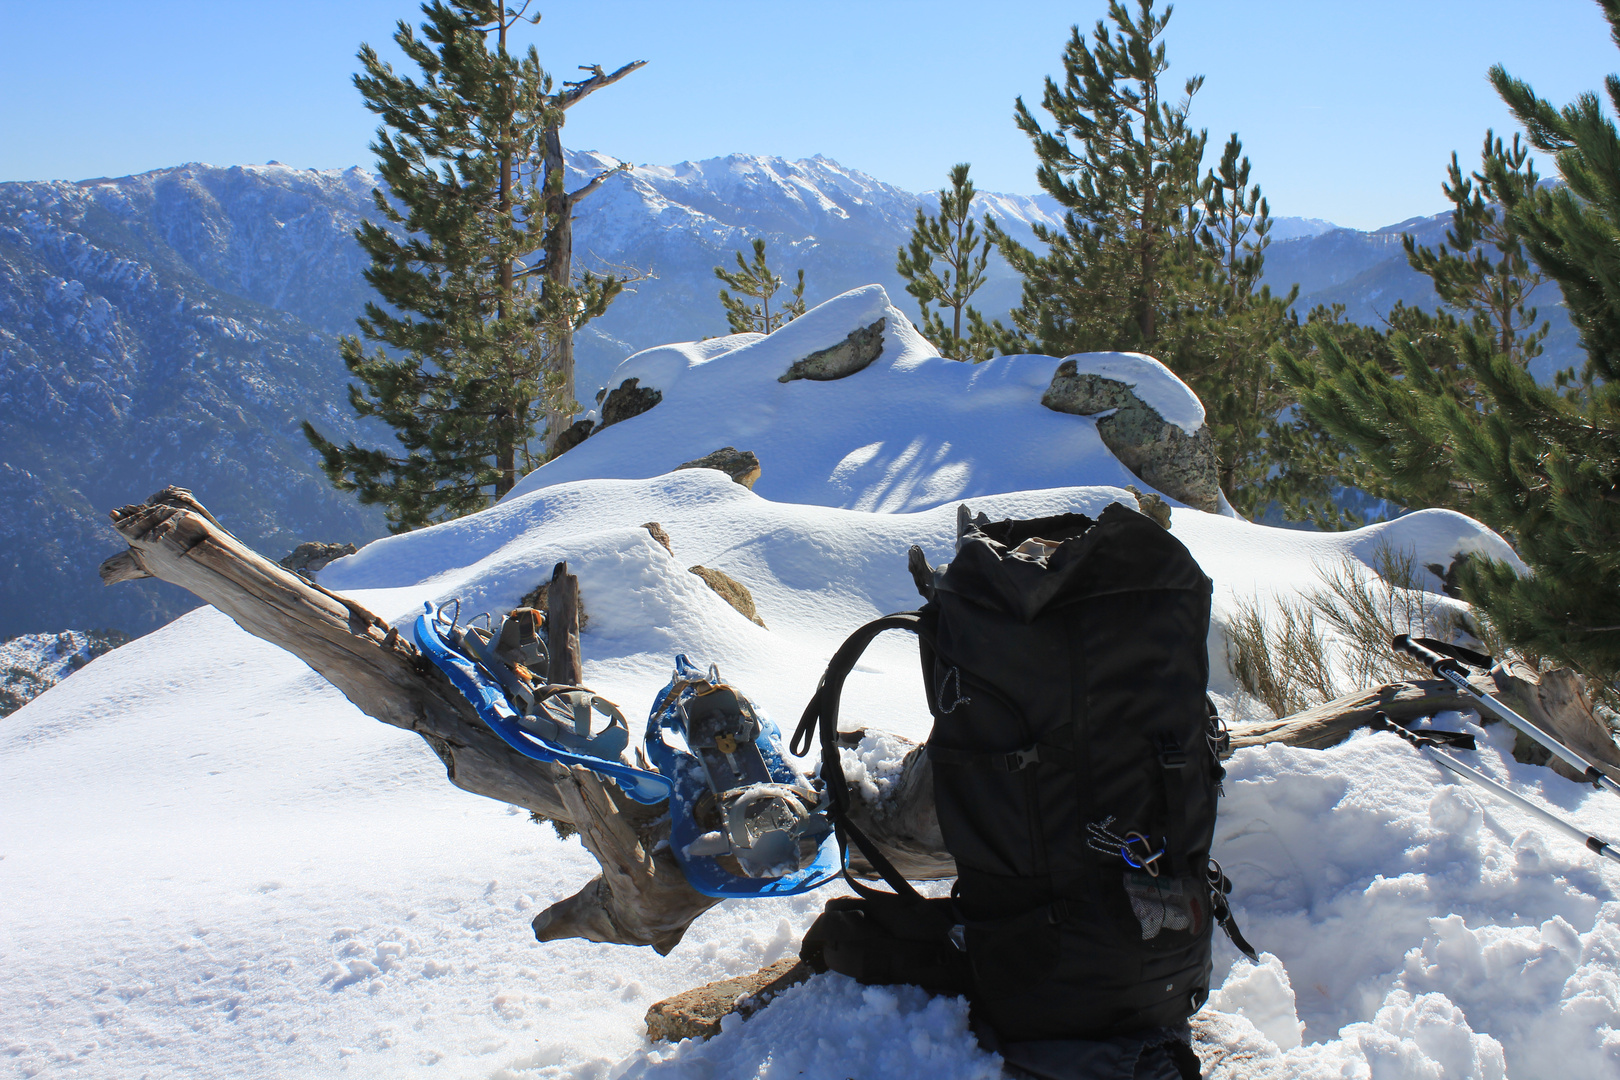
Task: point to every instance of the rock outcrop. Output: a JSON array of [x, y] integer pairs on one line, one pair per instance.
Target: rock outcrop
[[731, 591], [575, 434], [1160, 452], [656, 531], [741, 465], [312, 557], [627, 399], [855, 352]]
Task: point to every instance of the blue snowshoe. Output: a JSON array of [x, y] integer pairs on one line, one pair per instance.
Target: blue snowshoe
[[744, 821], [566, 724]]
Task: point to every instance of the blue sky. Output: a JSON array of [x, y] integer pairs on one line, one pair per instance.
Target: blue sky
[[1349, 110]]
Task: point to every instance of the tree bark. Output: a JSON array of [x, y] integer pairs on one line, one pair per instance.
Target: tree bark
[[641, 897], [562, 628], [1331, 723], [559, 239]]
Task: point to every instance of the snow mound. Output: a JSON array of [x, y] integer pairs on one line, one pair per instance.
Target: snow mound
[[910, 432]]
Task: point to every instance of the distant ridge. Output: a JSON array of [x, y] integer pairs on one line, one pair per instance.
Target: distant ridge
[[176, 326]]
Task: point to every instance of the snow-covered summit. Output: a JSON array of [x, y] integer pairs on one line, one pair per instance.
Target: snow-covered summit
[[725, 196], [912, 431]]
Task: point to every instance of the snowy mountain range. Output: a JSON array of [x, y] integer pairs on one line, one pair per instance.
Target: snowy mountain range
[[213, 864], [176, 326]]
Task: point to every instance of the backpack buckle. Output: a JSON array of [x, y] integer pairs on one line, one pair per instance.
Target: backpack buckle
[[1020, 759], [1171, 755]]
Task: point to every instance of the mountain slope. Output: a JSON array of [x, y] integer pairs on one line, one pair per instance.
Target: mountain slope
[[1368, 273], [175, 327], [159, 329]]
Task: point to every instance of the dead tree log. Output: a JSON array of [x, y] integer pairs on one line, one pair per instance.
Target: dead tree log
[[1331, 723], [641, 896], [562, 628], [1557, 701]]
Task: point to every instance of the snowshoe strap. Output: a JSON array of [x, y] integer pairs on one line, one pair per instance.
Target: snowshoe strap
[[822, 714]]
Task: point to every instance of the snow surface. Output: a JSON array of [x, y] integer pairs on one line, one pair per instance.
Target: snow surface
[[213, 865]]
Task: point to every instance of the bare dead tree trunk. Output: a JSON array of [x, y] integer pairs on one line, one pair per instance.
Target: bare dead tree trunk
[[559, 246], [562, 628], [641, 897]]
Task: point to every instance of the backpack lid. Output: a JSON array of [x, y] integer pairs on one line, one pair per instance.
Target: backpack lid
[[1122, 551]]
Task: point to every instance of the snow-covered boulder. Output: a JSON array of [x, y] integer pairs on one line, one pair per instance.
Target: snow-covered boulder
[[1150, 419], [848, 405]]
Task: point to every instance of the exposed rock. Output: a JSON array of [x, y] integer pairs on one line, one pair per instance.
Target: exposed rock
[[847, 357], [659, 535], [573, 436], [313, 556], [696, 1014], [731, 591], [1449, 576], [629, 399], [1152, 505], [1161, 453], [741, 465]]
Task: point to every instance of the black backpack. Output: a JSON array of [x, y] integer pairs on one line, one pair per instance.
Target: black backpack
[[1076, 767]]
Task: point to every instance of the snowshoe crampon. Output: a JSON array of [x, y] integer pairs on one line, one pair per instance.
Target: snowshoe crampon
[[566, 724], [744, 821]]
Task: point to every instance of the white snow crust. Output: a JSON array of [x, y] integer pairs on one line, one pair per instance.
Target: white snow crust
[[212, 864]]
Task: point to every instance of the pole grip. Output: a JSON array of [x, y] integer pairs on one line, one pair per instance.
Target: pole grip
[[1440, 665]]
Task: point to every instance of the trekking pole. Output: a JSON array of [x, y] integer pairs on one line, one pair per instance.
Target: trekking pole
[[1446, 761], [1444, 667]]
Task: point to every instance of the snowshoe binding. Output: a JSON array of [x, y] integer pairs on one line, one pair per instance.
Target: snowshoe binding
[[493, 667], [744, 821]]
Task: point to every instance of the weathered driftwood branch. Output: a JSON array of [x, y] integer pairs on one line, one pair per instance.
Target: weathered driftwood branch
[[1557, 701], [1332, 722], [640, 897], [562, 628]]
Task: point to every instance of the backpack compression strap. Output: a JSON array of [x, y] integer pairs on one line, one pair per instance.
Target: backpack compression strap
[[822, 714]]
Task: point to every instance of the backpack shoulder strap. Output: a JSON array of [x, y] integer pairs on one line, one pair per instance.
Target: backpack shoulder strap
[[821, 715]]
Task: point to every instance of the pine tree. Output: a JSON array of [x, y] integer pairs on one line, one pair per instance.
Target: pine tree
[[1153, 257], [1222, 334], [755, 280], [1484, 275], [1378, 392], [1124, 164], [1539, 464], [950, 239], [478, 302]]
